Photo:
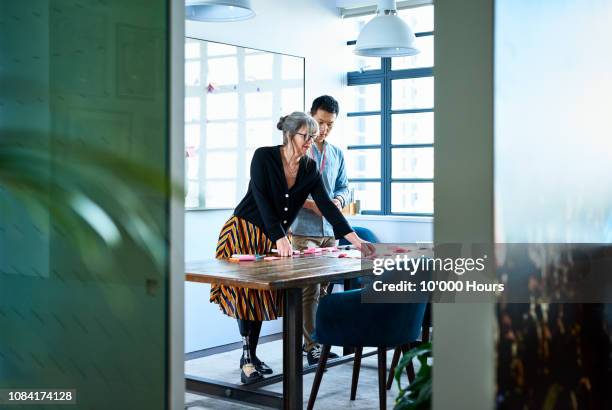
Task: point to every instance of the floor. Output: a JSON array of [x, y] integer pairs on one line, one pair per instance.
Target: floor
[[333, 393]]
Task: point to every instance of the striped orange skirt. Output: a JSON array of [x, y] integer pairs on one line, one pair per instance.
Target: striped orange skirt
[[241, 236]]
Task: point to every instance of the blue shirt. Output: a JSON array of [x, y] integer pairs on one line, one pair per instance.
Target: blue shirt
[[335, 181]]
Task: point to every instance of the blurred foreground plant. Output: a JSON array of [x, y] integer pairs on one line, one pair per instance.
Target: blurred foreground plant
[[417, 395], [97, 199]]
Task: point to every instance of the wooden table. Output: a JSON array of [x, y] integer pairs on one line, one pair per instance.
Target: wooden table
[[289, 275]]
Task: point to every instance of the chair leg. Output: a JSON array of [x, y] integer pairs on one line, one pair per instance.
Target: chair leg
[[318, 376], [356, 367], [410, 368], [382, 373], [396, 356], [330, 288]]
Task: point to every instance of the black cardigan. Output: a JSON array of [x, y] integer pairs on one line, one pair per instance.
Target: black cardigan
[[271, 206]]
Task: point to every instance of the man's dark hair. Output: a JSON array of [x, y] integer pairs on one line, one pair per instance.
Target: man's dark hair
[[325, 103]]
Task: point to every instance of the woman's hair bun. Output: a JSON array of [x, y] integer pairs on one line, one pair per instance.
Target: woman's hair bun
[[281, 122]]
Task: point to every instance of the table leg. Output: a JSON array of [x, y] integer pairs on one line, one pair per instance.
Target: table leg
[[346, 350], [292, 350]]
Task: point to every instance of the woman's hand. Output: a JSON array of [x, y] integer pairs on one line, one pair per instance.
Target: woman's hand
[[365, 247], [283, 246]]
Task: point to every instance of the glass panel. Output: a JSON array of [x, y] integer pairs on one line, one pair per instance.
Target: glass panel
[[192, 49], [424, 59], [362, 98], [193, 163], [417, 128], [412, 93], [260, 133], [419, 18], [192, 109], [218, 49], [192, 136], [221, 135], [84, 97], [220, 194], [354, 62], [192, 200], [412, 197], [362, 130], [292, 99], [258, 105], [363, 163], [368, 195], [220, 106], [292, 68], [220, 164], [192, 73], [412, 163], [258, 67], [222, 71]]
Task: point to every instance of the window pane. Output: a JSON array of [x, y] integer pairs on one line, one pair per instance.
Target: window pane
[[220, 194], [351, 26], [363, 163], [412, 93], [359, 63], [292, 99], [362, 98], [221, 164], [417, 128], [192, 73], [412, 163], [368, 195], [221, 135], [220, 106], [193, 164], [222, 71], [192, 49], [424, 59], [292, 68], [192, 199], [260, 133], [419, 18], [192, 109], [248, 158], [217, 49], [258, 67], [258, 105], [192, 136], [363, 130], [412, 198]]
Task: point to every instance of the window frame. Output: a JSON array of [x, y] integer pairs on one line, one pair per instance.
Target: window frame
[[384, 76]]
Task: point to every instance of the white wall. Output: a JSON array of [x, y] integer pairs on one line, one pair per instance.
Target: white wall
[[305, 28]]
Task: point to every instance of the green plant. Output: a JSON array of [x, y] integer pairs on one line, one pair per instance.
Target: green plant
[[417, 395], [98, 200]]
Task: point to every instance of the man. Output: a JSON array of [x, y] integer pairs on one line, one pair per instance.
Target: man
[[310, 229]]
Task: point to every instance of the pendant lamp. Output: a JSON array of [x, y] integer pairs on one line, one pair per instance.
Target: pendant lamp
[[386, 35], [218, 10]]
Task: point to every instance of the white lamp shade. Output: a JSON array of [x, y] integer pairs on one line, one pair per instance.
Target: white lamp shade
[[218, 10], [386, 35]]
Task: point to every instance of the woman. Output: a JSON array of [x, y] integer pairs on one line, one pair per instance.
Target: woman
[[282, 177]]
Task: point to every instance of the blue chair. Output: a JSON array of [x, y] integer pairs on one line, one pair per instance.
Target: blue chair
[[366, 235], [342, 320], [363, 233]]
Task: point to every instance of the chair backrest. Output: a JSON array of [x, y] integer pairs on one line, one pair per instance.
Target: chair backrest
[[363, 233]]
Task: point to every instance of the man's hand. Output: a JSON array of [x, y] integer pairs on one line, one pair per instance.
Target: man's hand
[[310, 204]]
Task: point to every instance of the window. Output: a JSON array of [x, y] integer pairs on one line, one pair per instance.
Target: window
[[390, 134], [233, 99]]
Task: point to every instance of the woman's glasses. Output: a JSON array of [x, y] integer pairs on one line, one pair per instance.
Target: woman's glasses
[[307, 137]]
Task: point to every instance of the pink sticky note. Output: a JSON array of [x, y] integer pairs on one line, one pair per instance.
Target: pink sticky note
[[244, 258], [342, 255]]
